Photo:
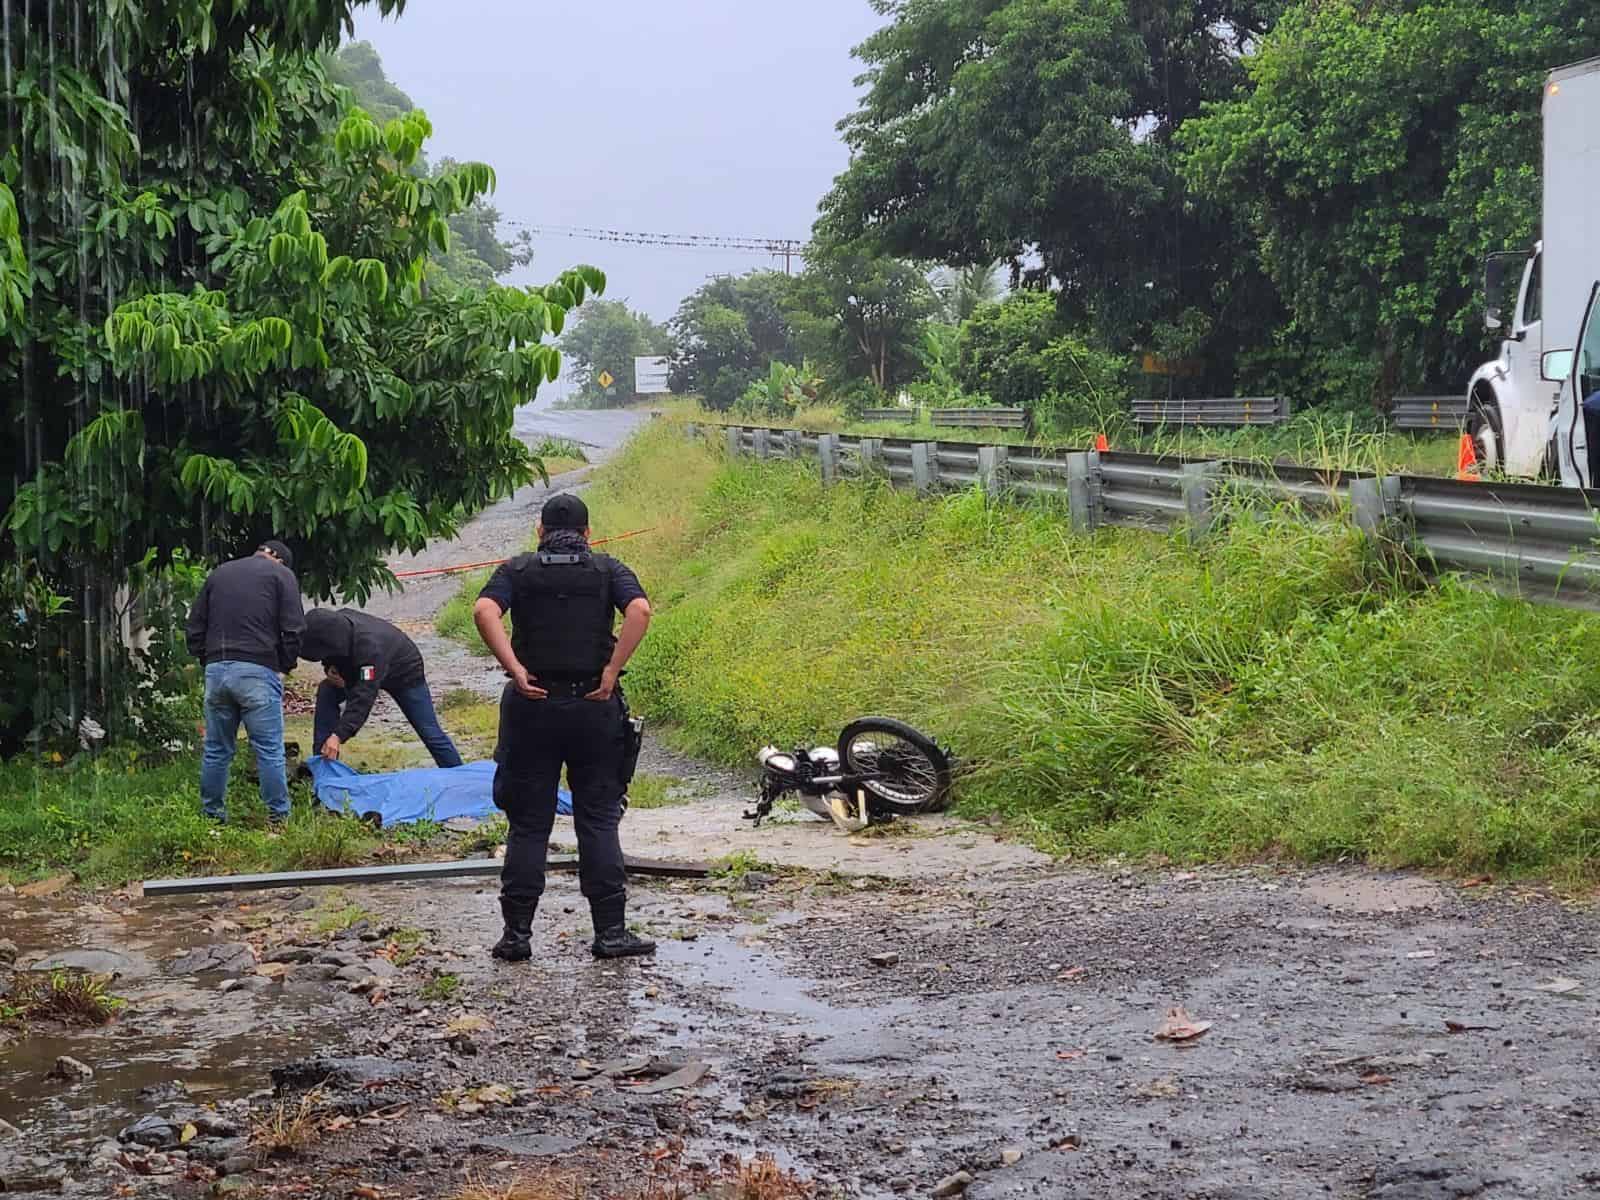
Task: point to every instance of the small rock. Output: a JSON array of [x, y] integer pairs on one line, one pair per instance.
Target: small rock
[[300, 904], [225, 957], [338, 958], [952, 1185], [372, 935], [462, 1044], [885, 958], [217, 1150], [162, 1093], [30, 1173], [8, 952], [291, 954], [45, 887], [106, 1153], [71, 1069], [227, 985], [90, 962], [239, 1164], [1011, 1156], [229, 1183], [347, 1073], [153, 1131], [8, 1130]]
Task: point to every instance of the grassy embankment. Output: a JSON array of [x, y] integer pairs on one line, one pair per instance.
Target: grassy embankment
[[1273, 694]]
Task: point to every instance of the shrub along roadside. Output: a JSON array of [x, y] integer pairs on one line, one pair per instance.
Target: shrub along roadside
[[1267, 695]]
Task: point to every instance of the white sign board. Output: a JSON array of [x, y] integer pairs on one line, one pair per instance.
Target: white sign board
[[650, 376]]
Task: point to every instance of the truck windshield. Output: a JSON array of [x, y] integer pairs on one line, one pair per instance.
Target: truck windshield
[[1531, 307], [1588, 361]]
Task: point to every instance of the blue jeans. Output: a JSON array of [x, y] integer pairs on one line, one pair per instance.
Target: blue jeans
[[416, 702], [241, 691]]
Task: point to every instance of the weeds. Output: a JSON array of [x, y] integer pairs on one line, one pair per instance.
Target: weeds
[[339, 919], [736, 866], [441, 988], [655, 791], [554, 1185], [288, 1128], [68, 997]]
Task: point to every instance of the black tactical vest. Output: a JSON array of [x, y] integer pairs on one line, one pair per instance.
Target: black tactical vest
[[561, 614]]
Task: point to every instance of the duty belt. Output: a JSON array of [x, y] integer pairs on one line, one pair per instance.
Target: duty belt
[[566, 689]]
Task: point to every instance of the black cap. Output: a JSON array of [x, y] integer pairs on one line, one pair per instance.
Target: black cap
[[565, 511], [279, 551]]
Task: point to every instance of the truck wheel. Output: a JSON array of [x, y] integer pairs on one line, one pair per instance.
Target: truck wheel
[[1488, 436]]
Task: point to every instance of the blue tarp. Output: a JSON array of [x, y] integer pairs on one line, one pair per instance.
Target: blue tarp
[[418, 794]]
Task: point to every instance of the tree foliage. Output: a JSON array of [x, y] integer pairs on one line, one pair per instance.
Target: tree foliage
[[861, 314], [728, 332], [213, 320], [476, 255], [1018, 353], [1380, 151], [1003, 129], [607, 336]]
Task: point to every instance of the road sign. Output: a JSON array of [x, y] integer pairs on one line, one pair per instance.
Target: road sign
[[651, 376], [605, 379]]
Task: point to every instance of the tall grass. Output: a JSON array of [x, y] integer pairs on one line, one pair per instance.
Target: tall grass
[[1270, 693]]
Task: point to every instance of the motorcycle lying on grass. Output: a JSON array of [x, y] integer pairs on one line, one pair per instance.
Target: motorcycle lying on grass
[[880, 769]]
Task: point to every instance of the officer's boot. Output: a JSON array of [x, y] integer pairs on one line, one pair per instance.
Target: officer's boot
[[514, 945], [612, 937]]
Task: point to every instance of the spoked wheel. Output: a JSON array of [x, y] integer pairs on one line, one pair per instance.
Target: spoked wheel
[[1483, 425], [907, 771]]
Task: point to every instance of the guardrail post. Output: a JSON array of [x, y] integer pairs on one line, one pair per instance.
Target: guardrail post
[[1199, 480], [871, 455], [791, 444], [735, 438], [762, 440], [991, 470], [924, 465], [828, 456], [1378, 512], [691, 430], [1083, 490]]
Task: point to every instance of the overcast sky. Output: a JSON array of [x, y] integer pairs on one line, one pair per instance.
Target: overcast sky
[[671, 116]]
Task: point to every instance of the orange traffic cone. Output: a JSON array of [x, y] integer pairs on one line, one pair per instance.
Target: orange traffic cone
[[1467, 459], [1100, 442]]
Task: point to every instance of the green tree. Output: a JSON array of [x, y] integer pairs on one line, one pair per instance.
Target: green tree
[[607, 336], [1380, 150], [476, 254], [213, 328], [1019, 354], [862, 314], [991, 130], [963, 290], [728, 332]]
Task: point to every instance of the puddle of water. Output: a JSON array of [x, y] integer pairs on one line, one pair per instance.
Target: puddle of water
[[173, 1028]]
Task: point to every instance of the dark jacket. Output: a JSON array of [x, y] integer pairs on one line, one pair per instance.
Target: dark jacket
[[248, 610], [370, 653]]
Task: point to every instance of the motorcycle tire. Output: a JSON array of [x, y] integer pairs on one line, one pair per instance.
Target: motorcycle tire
[[910, 775]]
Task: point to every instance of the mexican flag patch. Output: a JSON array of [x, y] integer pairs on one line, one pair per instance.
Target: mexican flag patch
[[368, 674]]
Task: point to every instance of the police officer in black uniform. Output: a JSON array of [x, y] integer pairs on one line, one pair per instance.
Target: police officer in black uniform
[[563, 707]]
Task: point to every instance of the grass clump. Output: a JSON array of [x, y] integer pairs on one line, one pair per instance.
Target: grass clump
[[65, 997], [441, 988], [287, 1129], [655, 791], [1271, 693]]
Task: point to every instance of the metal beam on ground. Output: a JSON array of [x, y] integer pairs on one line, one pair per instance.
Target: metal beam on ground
[[466, 869]]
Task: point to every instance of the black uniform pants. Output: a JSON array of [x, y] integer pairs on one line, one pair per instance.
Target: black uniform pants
[[538, 737]]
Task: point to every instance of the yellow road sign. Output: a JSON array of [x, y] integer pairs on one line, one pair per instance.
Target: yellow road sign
[[606, 379]]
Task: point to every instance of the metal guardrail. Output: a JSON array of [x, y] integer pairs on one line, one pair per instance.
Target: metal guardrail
[[888, 414], [981, 418], [1222, 410], [1430, 412], [1540, 542]]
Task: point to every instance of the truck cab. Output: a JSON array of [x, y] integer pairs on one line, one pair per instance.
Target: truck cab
[[1510, 403]]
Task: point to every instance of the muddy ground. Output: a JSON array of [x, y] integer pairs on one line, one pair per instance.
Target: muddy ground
[[927, 1012]]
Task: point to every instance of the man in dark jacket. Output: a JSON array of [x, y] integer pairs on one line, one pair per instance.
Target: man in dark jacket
[[245, 626], [362, 656]]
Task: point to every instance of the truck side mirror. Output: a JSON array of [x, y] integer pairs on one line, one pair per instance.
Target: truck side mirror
[[1493, 319], [1556, 365]]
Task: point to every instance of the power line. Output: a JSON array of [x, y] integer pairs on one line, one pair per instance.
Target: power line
[[787, 249]]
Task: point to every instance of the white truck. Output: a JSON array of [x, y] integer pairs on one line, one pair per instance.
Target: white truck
[[1512, 400]]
